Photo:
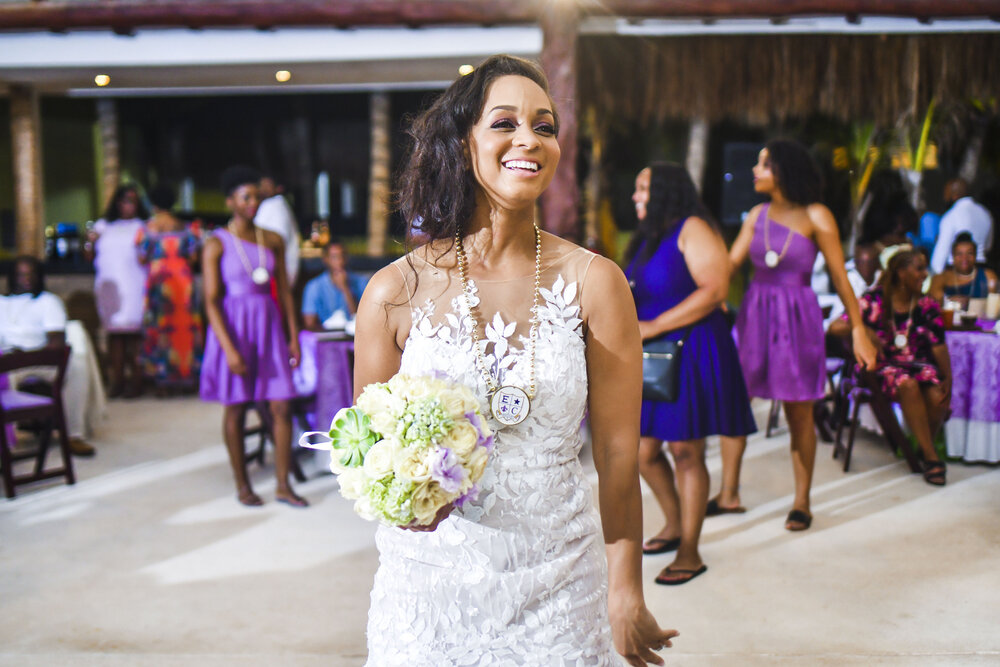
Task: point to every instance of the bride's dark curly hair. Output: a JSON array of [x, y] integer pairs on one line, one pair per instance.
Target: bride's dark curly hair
[[437, 191], [672, 198]]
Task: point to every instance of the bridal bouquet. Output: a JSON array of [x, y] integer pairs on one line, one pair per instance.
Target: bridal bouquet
[[409, 447]]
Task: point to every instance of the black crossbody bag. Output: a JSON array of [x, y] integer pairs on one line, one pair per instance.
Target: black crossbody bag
[[661, 369]]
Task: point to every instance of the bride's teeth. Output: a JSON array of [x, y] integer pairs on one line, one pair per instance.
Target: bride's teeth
[[521, 164]]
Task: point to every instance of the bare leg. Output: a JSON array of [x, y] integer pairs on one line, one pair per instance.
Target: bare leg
[[131, 365], [655, 469], [232, 430], [938, 406], [803, 445], [116, 363], [692, 483], [911, 399], [732, 448], [282, 431]]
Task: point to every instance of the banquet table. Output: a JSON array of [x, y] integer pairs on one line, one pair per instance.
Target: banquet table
[[328, 370], [973, 432]]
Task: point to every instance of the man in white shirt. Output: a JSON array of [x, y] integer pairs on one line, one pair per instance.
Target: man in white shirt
[[275, 214], [31, 318], [965, 215], [863, 271]]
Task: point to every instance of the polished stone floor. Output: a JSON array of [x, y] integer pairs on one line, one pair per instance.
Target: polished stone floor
[[149, 560]]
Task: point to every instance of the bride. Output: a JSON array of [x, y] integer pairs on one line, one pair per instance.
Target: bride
[[543, 331]]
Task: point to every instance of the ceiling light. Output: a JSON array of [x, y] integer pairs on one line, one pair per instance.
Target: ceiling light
[[282, 75], [102, 80], [466, 69]]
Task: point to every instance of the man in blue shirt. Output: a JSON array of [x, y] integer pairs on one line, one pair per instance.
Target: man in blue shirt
[[335, 290]]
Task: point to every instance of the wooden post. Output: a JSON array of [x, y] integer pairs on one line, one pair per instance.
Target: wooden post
[[559, 22], [592, 186], [107, 128], [697, 153], [378, 183], [29, 198]]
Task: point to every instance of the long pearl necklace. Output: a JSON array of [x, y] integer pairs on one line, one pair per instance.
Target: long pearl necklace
[[902, 338], [509, 404], [260, 275], [772, 258]]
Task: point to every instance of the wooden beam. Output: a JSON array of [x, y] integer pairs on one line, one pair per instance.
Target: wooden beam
[[379, 190], [129, 14], [560, 203], [107, 128], [125, 15], [785, 8], [26, 133]]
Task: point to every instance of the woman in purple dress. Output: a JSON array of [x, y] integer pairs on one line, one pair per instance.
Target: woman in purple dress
[[120, 287], [247, 355], [679, 275], [780, 326]]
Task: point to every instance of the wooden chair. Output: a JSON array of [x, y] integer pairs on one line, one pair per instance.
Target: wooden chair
[[859, 389], [18, 406]]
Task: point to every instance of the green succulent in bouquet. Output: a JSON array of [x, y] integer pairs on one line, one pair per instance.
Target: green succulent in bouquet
[[351, 434]]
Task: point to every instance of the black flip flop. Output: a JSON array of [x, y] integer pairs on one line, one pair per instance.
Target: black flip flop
[[677, 582], [713, 508], [663, 546], [934, 473], [798, 516]]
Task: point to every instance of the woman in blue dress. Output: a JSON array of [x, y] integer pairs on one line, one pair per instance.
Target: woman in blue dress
[[679, 270]]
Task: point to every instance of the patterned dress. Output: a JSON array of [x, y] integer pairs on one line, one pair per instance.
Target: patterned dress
[[172, 322], [925, 331]]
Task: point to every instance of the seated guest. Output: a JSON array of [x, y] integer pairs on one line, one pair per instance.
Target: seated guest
[[963, 280], [863, 271], [336, 290], [965, 215], [914, 368], [30, 319]]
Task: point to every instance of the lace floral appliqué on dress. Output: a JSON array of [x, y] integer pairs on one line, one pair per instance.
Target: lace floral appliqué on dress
[[519, 576]]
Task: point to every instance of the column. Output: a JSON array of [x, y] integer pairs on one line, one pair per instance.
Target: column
[[378, 181], [560, 203], [29, 197], [697, 152], [107, 129]]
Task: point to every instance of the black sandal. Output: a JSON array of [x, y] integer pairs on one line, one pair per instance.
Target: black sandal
[[934, 473], [799, 519]]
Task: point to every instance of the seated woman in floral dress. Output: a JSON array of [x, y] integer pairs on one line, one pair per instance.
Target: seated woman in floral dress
[[914, 368]]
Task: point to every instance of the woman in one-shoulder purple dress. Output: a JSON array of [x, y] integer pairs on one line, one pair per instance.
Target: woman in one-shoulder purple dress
[[248, 358], [779, 325]]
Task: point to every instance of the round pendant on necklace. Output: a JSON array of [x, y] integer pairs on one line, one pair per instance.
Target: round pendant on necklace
[[260, 276], [771, 258], [900, 340], [510, 405]]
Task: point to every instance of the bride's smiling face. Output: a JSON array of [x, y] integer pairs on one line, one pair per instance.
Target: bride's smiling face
[[512, 147]]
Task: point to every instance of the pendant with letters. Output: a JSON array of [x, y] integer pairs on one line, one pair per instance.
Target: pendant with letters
[[510, 405]]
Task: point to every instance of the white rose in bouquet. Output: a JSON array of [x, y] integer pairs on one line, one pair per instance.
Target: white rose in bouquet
[[412, 465], [379, 459], [462, 439], [427, 499]]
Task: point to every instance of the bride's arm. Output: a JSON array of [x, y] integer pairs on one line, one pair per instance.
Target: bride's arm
[[614, 375], [377, 350]]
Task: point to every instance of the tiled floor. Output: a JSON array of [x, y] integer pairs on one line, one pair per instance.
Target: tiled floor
[[149, 560]]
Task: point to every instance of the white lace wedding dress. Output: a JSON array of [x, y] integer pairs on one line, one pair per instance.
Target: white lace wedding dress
[[519, 576]]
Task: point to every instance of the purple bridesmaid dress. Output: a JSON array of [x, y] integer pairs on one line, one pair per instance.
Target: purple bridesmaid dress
[[780, 325], [255, 325]]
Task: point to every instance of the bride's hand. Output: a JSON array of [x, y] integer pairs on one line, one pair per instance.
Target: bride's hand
[[442, 514], [637, 634]]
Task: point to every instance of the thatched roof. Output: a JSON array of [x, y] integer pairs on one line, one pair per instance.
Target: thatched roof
[[760, 78]]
